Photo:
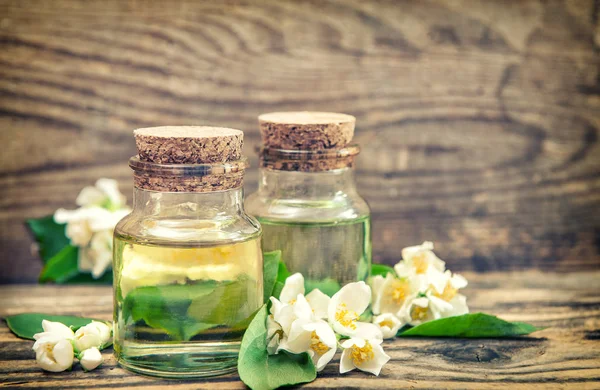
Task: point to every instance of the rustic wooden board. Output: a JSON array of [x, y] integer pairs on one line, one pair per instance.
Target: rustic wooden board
[[478, 119], [567, 353]]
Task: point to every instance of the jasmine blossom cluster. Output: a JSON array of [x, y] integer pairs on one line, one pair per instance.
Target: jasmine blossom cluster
[[90, 227], [421, 290], [57, 346], [313, 324]]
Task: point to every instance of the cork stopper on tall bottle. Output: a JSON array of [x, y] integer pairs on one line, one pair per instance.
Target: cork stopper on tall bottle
[[306, 130], [188, 158], [307, 141]]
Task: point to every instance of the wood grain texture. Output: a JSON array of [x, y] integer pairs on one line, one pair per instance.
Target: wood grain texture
[[478, 119], [566, 354]]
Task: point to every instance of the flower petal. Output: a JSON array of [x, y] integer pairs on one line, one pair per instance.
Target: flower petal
[[458, 281], [367, 331], [356, 296], [302, 309], [319, 302], [110, 189], [299, 338], [324, 359], [389, 324], [91, 358], [346, 363], [90, 196], [294, 285], [375, 364], [63, 354], [58, 329], [411, 251]]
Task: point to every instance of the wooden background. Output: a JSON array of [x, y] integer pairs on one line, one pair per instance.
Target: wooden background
[[479, 120]]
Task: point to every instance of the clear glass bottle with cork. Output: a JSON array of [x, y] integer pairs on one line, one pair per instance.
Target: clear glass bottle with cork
[[307, 202], [187, 260]]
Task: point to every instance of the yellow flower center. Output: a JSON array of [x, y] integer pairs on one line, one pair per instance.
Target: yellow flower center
[[448, 294], [419, 313], [346, 317], [420, 263], [317, 345], [399, 291], [361, 355], [291, 302], [387, 323]]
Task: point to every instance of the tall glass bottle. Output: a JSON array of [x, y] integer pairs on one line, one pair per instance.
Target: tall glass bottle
[[307, 201], [187, 260]]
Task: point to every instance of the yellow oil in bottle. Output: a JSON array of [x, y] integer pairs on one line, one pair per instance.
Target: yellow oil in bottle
[[181, 307]]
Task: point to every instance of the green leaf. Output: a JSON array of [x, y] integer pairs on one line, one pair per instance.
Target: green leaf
[[183, 311], [277, 289], [474, 325], [166, 308], [27, 324], [261, 371], [282, 275], [328, 286], [49, 235], [382, 270], [61, 267], [228, 304], [282, 272], [271, 261]]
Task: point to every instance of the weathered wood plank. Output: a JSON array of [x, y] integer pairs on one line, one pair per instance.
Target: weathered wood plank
[[566, 354], [478, 119]]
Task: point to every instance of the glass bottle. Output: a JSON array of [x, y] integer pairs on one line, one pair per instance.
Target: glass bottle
[[307, 201], [187, 262]]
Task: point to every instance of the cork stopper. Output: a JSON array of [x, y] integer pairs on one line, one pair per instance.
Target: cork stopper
[[188, 159], [188, 144], [306, 130]]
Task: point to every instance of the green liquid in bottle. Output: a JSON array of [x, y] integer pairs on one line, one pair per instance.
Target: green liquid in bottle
[[328, 254], [181, 311]]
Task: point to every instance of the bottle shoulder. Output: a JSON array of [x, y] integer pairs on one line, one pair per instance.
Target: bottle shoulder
[[342, 206], [186, 230]]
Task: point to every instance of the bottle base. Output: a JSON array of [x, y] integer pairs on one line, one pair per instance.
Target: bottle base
[[179, 361]]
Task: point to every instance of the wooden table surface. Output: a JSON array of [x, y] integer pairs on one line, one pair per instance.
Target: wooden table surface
[[565, 354]]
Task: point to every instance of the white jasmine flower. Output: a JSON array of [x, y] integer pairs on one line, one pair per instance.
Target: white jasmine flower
[[346, 307], [449, 293], [390, 293], [423, 309], [56, 330], [104, 330], [105, 193], [79, 233], [90, 358], [91, 229], [319, 302], [53, 353], [283, 314], [90, 335], [294, 285], [314, 337], [389, 325], [418, 260], [96, 258], [366, 355], [292, 304]]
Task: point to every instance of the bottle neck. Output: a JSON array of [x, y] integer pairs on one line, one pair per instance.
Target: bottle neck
[[306, 185], [197, 205]]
